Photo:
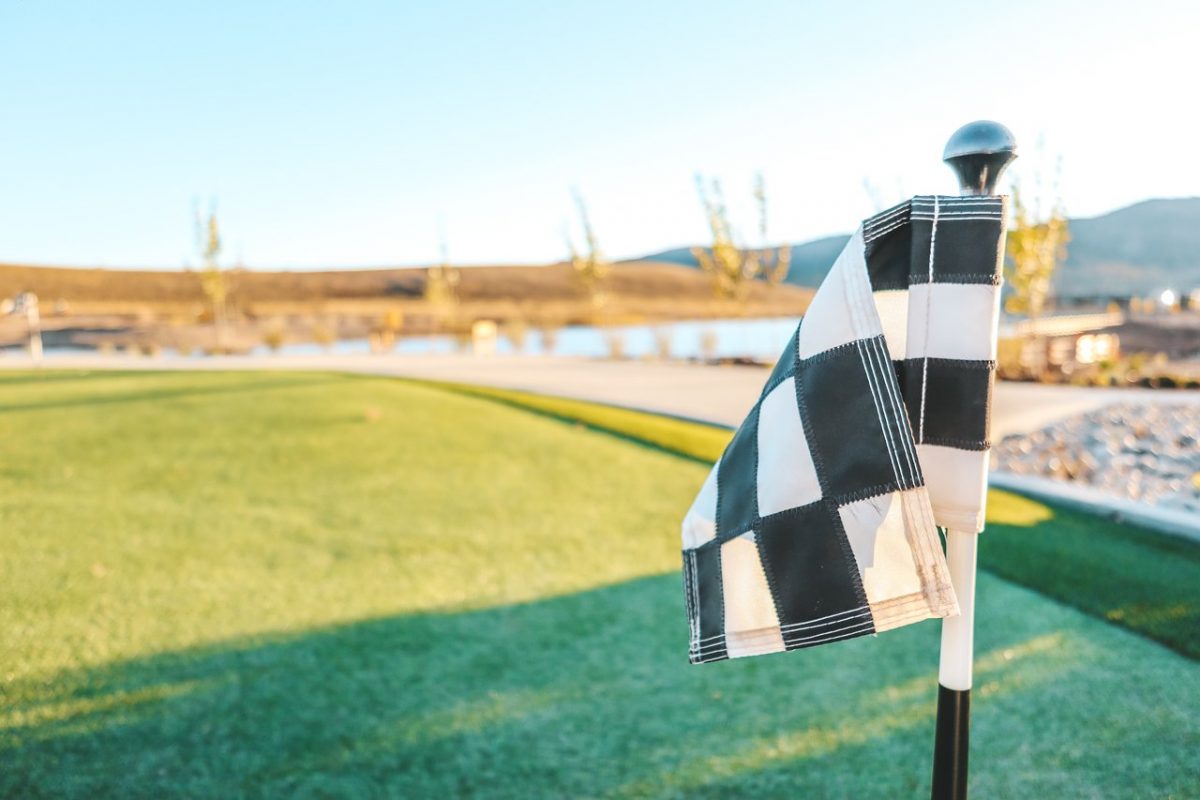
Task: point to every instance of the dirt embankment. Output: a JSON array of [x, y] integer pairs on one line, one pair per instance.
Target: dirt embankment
[[168, 308]]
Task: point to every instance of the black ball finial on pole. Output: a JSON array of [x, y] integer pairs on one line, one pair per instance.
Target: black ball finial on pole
[[978, 152]]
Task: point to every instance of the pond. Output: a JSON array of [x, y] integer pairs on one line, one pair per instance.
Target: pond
[[761, 339]]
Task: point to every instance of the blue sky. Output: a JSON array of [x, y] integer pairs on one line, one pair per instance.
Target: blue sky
[[339, 134]]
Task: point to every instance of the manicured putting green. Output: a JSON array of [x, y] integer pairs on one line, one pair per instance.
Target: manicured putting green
[[1135, 578], [310, 585]]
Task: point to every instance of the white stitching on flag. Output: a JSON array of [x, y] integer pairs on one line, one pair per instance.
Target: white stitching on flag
[[928, 312], [893, 454], [902, 420]]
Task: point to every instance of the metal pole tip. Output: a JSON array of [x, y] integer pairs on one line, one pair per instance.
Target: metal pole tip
[[978, 152]]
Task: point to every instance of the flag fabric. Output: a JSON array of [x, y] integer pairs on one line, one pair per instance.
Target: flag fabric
[[819, 522]]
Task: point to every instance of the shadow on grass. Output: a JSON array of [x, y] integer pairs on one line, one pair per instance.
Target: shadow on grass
[[52, 375], [1138, 579], [1143, 581], [690, 439], [580, 695], [249, 385]]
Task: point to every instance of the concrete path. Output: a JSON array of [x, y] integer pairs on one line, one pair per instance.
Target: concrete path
[[712, 393]]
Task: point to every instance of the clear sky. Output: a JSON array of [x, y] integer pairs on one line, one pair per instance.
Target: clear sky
[[339, 134]]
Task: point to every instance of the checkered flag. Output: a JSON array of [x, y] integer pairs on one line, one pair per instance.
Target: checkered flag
[[819, 522]]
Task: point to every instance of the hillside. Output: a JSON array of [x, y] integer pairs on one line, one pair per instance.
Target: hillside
[[536, 294], [1144, 247], [150, 310], [1138, 249]]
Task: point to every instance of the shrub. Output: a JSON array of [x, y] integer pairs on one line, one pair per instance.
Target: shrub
[[324, 333], [708, 345], [663, 343], [614, 340], [274, 336], [517, 333], [549, 334]]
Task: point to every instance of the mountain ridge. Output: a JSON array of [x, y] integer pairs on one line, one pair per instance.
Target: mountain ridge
[[1136, 249]]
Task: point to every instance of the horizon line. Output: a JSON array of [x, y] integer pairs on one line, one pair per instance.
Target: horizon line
[[646, 257]]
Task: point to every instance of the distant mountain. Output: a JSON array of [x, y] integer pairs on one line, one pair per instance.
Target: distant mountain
[[1141, 248], [1138, 249]]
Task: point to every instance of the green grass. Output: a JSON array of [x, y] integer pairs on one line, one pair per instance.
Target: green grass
[[696, 440], [245, 585], [1138, 579]]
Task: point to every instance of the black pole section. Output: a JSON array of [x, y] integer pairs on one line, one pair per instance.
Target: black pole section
[[951, 744], [977, 152]]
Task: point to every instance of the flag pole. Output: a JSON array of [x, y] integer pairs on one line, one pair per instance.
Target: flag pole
[[977, 152]]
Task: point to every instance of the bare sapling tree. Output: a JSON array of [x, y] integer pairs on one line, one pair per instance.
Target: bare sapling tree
[[441, 281], [213, 280], [590, 268], [730, 264]]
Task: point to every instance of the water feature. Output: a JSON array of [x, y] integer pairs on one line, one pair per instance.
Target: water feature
[[761, 339]]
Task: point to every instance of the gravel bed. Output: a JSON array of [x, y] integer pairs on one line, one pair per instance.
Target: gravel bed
[[1148, 453]]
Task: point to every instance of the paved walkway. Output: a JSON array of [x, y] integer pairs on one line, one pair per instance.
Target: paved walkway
[[721, 394]]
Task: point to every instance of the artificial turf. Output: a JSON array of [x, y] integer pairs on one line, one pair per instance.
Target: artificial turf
[[310, 585], [1139, 579]]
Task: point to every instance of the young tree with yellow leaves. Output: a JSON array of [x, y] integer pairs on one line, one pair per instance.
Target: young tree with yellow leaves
[[731, 265], [1035, 248]]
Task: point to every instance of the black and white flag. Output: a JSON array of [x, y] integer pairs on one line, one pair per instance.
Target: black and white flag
[[819, 522]]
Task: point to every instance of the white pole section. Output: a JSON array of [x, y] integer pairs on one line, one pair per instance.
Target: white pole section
[[958, 633]]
